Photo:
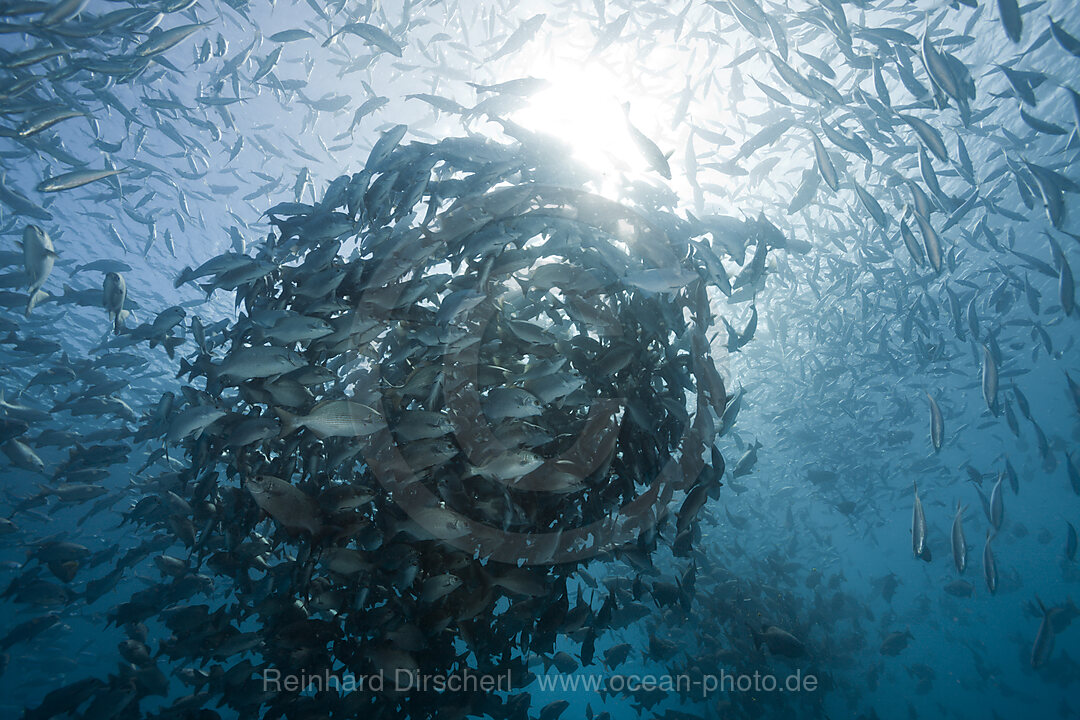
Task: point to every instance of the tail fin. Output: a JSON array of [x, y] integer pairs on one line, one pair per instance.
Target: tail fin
[[289, 421], [186, 275], [170, 343], [201, 365], [33, 301]]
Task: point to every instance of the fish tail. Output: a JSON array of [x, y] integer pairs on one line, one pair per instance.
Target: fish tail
[[186, 275], [289, 421], [171, 343]]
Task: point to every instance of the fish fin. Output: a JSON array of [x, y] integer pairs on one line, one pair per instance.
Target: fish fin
[[171, 343], [289, 421], [184, 276]]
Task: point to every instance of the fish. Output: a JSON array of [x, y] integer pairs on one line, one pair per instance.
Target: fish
[[1043, 647], [912, 244], [929, 136], [22, 456], [39, 257], [918, 529], [937, 424], [519, 37], [746, 462], [46, 119], [657, 160], [75, 179], [660, 280], [163, 41], [872, 206], [507, 467], [1073, 471], [291, 35], [288, 505], [371, 34], [21, 204], [960, 588], [824, 164], [959, 545], [990, 574], [332, 418], [192, 421], [779, 641], [29, 629], [1067, 41], [1011, 19], [258, 361], [528, 313], [931, 242], [114, 293], [1074, 391], [895, 643], [1066, 288], [997, 504], [989, 381]]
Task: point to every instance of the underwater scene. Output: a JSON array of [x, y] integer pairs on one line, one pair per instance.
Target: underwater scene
[[534, 360]]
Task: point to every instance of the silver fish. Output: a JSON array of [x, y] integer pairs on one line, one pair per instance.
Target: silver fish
[[959, 544], [918, 529]]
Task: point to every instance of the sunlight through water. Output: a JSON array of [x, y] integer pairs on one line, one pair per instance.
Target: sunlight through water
[[586, 105]]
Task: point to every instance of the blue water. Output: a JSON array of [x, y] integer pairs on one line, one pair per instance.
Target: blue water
[[851, 333]]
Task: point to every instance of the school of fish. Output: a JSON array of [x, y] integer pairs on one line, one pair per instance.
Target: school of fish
[[323, 355]]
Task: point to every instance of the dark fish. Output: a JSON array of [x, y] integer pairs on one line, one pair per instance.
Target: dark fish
[[896, 642], [1043, 646], [990, 574], [960, 588], [779, 641], [1009, 12]]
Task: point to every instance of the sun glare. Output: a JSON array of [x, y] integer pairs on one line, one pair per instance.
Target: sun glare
[[583, 106]]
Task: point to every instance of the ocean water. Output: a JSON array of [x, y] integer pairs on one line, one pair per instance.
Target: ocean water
[[530, 345]]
